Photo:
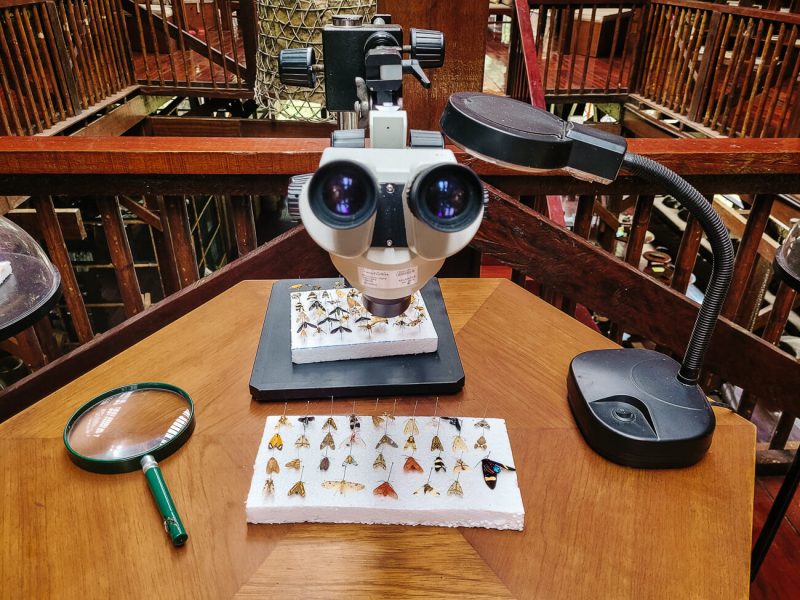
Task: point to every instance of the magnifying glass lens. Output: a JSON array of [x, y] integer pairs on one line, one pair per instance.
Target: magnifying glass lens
[[129, 424]]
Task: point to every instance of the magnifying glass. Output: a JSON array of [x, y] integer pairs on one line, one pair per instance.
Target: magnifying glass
[[133, 427]]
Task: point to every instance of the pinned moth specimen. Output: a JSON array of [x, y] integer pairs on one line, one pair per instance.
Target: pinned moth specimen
[[338, 311], [411, 427], [459, 444], [324, 464], [427, 489], [354, 439], [410, 443], [294, 464], [436, 444], [339, 284], [380, 462], [316, 305], [491, 469], [355, 422], [342, 486], [367, 327], [273, 466], [361, 319], [312, 296], [283, 421], [483, 424], [385, 489], [327, 320], [298, 307], [307, 325], [461, 466], [302, 442], [327, 441], [455, 489], [414, 322], [275, 442], [269, 487], [325, 295], [412, 466], [305, 420], [438, 464], [401, 323], [350, 461], [341, 329], [296, 286], [481, 443], [330, 424], [298, 489], [387, 441], [377, 421]]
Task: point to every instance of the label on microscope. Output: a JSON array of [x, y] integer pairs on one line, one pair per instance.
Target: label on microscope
[[387, 280]]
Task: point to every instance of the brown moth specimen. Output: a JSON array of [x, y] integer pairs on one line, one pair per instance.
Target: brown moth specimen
[[412, 466], [272, 465]]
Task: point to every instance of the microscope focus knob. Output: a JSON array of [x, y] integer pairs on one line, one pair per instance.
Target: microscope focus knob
[[427, 46], [296, 67], [296, 185]]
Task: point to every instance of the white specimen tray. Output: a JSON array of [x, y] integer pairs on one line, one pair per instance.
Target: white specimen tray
[[480, 506], [333, 324]]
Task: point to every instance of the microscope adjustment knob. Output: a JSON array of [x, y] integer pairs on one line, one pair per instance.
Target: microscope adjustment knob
[[296, 67], [427, 46], [296, 185]]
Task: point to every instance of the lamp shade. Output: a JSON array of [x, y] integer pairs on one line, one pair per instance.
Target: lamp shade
[[787, 258]]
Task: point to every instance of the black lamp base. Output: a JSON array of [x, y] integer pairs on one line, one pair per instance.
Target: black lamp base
[[631, 409]]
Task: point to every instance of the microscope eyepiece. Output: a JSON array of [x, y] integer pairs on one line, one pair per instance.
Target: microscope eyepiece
[[446, 197], [343, 194]]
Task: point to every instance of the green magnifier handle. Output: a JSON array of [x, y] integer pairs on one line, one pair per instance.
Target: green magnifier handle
[[172, 522]]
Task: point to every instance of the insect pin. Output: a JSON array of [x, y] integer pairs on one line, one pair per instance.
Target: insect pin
[[410, 427], [275, 442], [435, 418], [377, 420], [273, 466], [284, 420], [385, 489], [298, 489], [483, 423], [481, 443], [491, 469], [329, 422]]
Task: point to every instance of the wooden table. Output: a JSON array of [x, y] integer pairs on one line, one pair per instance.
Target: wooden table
[[592, 528]]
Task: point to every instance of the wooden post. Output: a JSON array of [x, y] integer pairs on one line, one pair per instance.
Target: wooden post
[[121, 256], [163, 248], [248, 25], [244, 224], [182, 243], [57, 249], [687, 255]]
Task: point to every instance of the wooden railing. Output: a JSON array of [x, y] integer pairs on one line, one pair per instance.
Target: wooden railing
[[583, 274], [732, 70], [58, 58]]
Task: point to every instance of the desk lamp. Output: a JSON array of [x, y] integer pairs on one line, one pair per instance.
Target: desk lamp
[[787, 267], [635, 407]]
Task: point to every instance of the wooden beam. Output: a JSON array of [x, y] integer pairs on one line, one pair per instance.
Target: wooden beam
[[244, 224], [525, 240], [70, 222], [292, 254], [736, 223], [214, 127], [142, 212], [61, 126], [54, 239], [174, 212], [123, 118], [121, 256]]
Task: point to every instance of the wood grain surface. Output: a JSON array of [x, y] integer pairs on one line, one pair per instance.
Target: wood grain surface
[[592, 529]]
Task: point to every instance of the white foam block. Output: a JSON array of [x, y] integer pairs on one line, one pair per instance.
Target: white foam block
[[334, 325], [5, 270], [480, 506]]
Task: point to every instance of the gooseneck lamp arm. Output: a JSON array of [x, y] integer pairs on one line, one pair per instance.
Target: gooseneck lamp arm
[[721, 248], [636, 407]]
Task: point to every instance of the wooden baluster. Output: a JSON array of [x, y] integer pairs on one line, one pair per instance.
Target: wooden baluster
[[653, 15], [64, 66], [142, 44], [672, 61], [756, 81], [36, 69], [244, 224], [553, 17], [682, 85], [612, 58], [115, 44], [687, 255], [738, 103], [208, 46], [47, 341], [781, 308], [121, 257], [179, 10], [221, 42], [182, 242], [746, 255], [729, 81], [235, 50], [661, 49], [248, 29], [45, 60], [11, 106], [625, 53], [582, 226], [790, 101], [36, 112], [87, 76], [98, 66], [587, 54], [711, 65], [57, 250], [154, 39], [576, 36], [169, 42], [768, 89], [104, 51], [122, 27], [781, 78], [163, 247]]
